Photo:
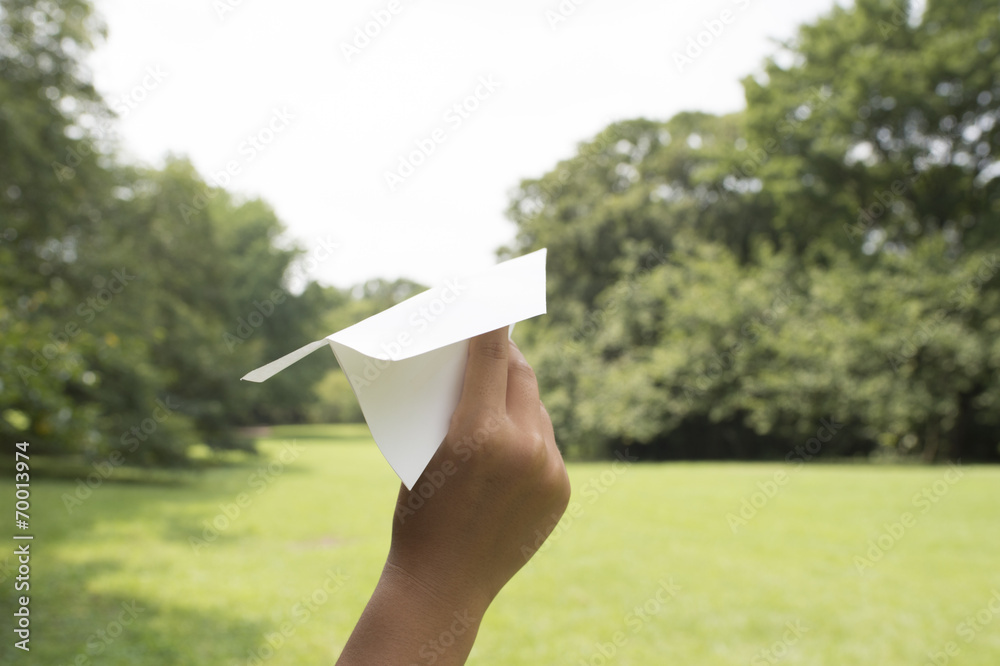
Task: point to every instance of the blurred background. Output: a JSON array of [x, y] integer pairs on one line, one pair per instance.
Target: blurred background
[[773, 234]]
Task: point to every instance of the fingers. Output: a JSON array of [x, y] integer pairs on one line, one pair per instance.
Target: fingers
[[486, 371], [522, 391]]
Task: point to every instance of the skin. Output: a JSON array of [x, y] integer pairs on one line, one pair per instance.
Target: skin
[[450, 557]]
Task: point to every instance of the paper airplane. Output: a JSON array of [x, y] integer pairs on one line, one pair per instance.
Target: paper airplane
[[406, 364]]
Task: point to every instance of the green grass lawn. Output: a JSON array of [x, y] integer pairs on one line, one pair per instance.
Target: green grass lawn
[[785, 588]]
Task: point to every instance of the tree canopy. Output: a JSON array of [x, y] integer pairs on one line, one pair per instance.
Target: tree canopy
[[133, 299], [725, 286], [816, 270]]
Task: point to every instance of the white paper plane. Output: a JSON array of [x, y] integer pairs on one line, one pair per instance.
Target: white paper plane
[[406, 364]]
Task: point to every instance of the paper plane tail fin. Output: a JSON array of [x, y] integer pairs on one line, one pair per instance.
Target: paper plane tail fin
[[264, 373]]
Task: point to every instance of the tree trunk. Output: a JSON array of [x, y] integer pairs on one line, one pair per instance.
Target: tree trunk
[[960, 431], [931, 444]]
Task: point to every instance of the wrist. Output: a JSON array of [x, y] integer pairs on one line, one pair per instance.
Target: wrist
[[409, 622], [438, 602], [437, 583]]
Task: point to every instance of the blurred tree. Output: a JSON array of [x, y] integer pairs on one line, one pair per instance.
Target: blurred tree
[[885, 122], [724, 286], [52, 190], [132, 299], [890, 156]]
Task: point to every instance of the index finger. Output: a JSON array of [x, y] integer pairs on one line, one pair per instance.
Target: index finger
[[486, 370]]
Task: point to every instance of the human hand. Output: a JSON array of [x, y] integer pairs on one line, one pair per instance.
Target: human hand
[[498, 480], [472, 520]]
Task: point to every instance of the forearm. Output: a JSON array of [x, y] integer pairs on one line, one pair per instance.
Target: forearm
[[406, 623], [450, 559]]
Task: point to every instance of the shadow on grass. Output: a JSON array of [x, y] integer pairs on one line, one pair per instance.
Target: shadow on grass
[[73, 625], [70, 608], [204, 533], [100, 472], [70, 510], [335, 432], [200, 458], [69, 469]]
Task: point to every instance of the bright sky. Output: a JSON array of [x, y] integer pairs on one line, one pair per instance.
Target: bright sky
[[269, 90]]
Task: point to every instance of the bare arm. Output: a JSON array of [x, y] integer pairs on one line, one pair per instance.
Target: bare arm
[[471, 521]]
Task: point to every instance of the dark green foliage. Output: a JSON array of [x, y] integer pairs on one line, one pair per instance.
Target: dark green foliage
[[731, 286], [817, 271], [132, 300]]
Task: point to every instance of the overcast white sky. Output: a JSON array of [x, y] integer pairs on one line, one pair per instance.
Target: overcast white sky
[[229, 70]]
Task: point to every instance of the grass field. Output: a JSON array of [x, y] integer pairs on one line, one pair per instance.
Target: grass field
[[645, 568]]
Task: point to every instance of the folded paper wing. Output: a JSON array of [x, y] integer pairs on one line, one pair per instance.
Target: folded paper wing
[[406, 364]]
